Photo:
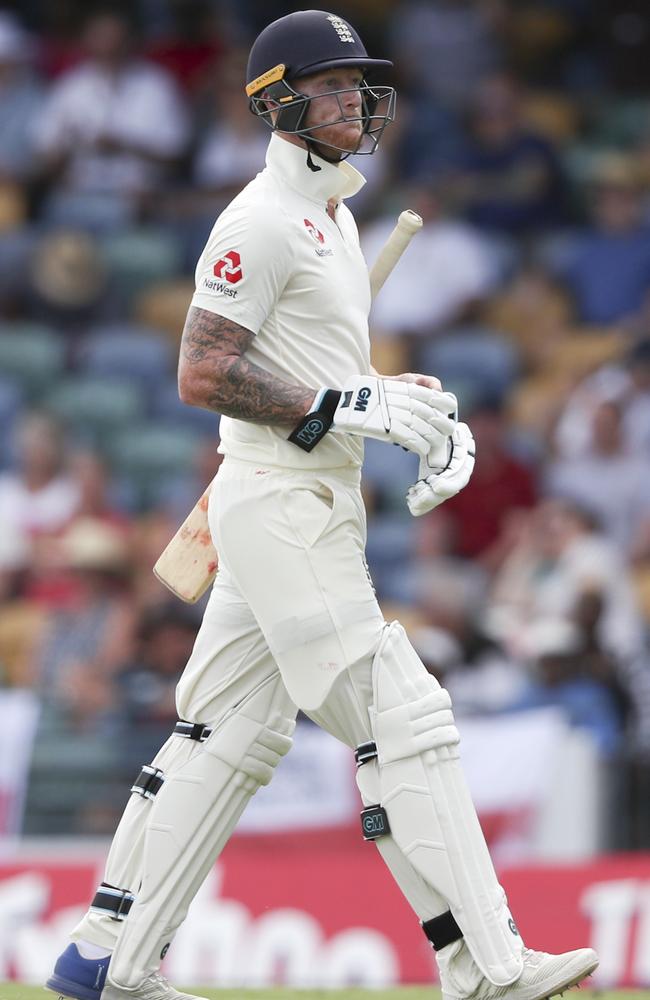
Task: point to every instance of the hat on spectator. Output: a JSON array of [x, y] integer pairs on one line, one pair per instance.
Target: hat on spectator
[[92, 544], [68, 270], [551, 637]]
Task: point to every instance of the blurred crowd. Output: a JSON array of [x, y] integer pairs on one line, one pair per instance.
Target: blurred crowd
[[523, 140]]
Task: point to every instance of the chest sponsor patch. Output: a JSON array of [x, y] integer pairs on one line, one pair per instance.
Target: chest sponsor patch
[[315, 233], [320, 250]]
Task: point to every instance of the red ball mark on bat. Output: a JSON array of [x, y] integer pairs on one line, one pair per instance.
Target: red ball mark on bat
[[212, 566], [229, 267], [203, 502], [313, 231]]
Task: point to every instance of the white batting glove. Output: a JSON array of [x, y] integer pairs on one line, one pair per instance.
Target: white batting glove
[[414, 416], [434, 487]]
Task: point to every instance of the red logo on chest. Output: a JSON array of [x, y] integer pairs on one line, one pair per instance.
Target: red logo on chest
[[316, 234], [229, 267]]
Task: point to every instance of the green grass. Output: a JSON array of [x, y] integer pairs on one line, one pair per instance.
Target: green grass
[[16, 991]]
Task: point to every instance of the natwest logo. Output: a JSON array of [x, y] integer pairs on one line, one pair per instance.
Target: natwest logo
[[229, 267], [313, 232]]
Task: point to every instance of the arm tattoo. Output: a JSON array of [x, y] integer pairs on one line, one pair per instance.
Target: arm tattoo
[[213, 358]]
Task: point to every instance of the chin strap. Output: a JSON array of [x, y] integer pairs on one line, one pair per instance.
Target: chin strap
[[311, 147], [310, 163]]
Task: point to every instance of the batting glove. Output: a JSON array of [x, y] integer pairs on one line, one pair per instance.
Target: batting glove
[[434, 487], [413, 416]]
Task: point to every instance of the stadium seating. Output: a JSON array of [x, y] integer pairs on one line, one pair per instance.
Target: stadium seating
[[150, 454], [136, 258], [92, 408], [472, 355], [32, 354], [167, 406], [127, 350]]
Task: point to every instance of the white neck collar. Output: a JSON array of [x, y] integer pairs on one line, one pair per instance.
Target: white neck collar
[[334, 180]]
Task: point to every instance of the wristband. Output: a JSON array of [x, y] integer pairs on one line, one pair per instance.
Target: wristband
[[315, 424]]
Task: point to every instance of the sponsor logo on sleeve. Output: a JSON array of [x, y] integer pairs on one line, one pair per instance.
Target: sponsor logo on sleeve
[[228, 271]]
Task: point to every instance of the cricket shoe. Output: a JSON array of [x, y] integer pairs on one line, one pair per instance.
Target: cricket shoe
[[79, 978], [543, 976]]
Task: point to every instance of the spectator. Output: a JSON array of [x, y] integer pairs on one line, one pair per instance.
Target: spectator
[[38, 496], [606, 267], [94, 621], [189, 49], [232, 147], [448, 267], [114, 125], [609, 480], [147, 681], [628, 385], [508, 177], [20, 99], [560, 678], [91, 474], [558, 560], [445, 47]]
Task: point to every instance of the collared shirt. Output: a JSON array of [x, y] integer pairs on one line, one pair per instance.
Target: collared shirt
[[277, 264]]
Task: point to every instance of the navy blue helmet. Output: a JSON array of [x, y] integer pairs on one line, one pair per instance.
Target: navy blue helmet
[[306, 42]]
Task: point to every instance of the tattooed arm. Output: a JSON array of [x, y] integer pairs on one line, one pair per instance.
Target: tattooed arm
[[214, 373]]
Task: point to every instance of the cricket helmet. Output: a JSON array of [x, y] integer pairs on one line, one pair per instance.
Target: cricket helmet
[[306, 42]]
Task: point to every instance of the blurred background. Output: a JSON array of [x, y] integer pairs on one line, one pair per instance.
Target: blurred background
[[523, 139]]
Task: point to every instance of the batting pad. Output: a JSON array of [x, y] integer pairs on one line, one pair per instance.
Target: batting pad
[[424, 900], [190, 821], [431, 814]]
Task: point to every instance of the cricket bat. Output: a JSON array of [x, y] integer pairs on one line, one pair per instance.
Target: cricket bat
[[188, 564]]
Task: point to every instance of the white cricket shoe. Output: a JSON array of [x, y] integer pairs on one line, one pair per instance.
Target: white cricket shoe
[[154, 987], [543, 976]]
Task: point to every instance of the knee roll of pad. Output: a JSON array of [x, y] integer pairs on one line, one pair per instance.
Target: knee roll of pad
[[251, 747], [430, 812]]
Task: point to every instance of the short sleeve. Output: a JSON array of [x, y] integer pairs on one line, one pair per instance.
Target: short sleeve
[[246, 264]]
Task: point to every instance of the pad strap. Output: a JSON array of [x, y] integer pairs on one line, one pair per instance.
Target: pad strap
[[192, 730], [112, 901], [314, 425], [148, 782], [365, 752], [442, 930]]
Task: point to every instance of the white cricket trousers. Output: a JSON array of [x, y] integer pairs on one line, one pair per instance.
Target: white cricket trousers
[[292, 595]]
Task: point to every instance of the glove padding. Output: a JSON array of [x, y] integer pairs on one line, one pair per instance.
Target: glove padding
[[411, 415], [434, 487]]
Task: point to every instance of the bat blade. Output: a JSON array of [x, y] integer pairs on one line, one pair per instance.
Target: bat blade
[[188, 564]]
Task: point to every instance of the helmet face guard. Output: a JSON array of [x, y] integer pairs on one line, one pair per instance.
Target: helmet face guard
[[285, 109]]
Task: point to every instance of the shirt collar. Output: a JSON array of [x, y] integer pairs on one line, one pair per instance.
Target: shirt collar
[[334, 180]]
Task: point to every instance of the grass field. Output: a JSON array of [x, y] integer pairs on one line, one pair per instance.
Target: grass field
[[15, 991]]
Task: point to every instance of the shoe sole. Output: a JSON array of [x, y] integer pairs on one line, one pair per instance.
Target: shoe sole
[[70, 991]]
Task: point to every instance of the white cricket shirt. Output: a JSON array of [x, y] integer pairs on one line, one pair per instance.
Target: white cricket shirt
[[277, 264]]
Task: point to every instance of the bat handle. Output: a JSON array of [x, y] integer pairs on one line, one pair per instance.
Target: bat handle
[[409, 221]]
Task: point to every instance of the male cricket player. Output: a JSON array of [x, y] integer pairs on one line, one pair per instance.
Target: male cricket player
[[276, 340]]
